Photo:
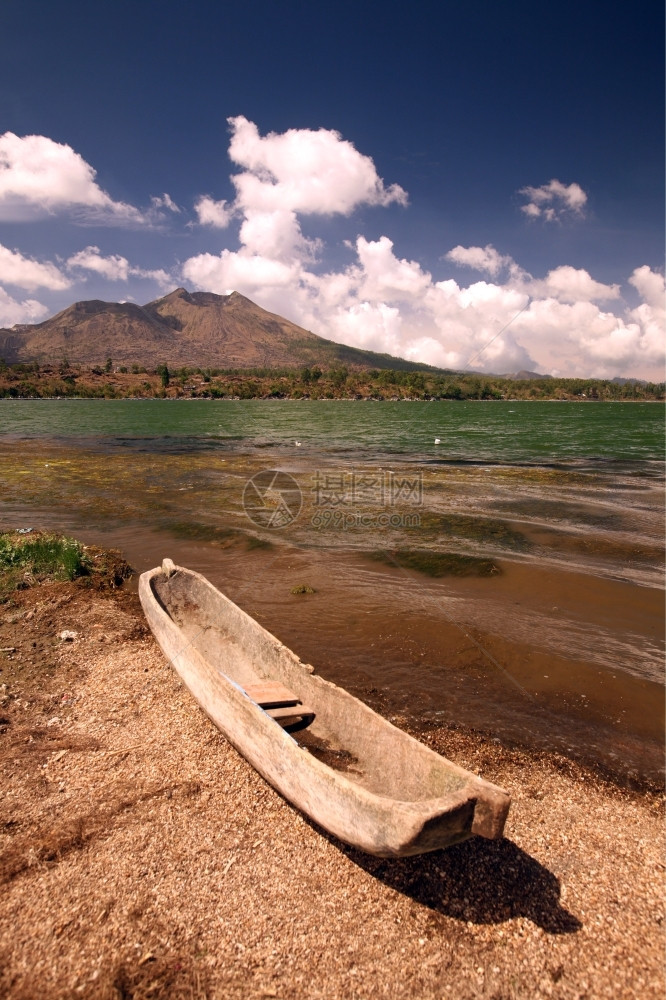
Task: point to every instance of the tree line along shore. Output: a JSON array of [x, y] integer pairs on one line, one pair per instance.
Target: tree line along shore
[[108, 381]]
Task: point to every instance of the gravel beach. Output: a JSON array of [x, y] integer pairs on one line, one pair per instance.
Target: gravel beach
[[142, 857]]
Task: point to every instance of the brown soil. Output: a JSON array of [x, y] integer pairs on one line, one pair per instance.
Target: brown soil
[[142, 857]]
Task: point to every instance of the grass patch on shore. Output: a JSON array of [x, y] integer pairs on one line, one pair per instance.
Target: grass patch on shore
[[26, 559], [436, 564], [31, 558]]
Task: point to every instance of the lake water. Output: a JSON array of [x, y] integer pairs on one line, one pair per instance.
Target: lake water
[[560, 646]]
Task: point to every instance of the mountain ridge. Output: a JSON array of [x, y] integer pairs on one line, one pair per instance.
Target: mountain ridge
[[199, 329]]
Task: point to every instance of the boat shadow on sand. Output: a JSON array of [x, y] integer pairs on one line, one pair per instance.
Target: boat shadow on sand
[[480, 881]]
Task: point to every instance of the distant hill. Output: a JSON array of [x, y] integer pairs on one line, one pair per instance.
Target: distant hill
[[198, 329], [628, 381], [522, 375]]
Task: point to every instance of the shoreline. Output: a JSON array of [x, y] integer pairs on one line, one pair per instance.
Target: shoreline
[[74, 380], [139, 852], [321, 399]]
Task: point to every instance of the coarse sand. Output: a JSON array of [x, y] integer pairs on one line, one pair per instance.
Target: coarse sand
[[142, 857]]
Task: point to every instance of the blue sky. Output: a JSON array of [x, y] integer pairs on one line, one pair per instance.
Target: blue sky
[[465, 184]]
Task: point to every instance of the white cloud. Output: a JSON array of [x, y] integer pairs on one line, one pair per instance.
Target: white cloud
[[581, 339], [305, 171], [650, 315], [24, 272], [570, 284], [12, 312], [383, 302], [164, 201], [479, 258], [386, 276], [650, 285], [41, 177], [162, 277], [114, 267], [298, 172], [243, 271], [213, 213], [553, 200], [276, 234]]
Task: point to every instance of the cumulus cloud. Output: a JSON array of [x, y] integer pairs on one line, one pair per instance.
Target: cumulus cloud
[[650, 286], [581, 339], [114, 267], [276, 234], [478, 258], [571, 284], [486, 259], [41, 177], [560, 323], [12, 312], [24, 272], [304, 171], [650, 315], [385, 276], [249, 273], [298, 172], [552, 201], [217, 214]]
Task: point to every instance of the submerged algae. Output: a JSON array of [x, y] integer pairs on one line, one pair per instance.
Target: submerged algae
[[436, 564], [484, 529]]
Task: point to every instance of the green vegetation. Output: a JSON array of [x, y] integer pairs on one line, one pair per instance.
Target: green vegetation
[[340, 381], [254, 542], [484, 529], [436, 563], [35, 557], [198, 532], [31, 558], [222, 537], [303, 588]]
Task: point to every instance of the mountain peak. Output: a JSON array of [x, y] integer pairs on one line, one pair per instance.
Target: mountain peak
[[177, 293], [193, 329]]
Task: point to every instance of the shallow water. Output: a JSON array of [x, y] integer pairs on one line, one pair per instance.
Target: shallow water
[[561, 648]]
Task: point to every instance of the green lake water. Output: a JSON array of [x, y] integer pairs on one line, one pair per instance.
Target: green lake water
[[501, 431]]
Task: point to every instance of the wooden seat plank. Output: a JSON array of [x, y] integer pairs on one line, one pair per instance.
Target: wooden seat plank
[[271, 694], [292, 718], [293, 712], [281, 704]]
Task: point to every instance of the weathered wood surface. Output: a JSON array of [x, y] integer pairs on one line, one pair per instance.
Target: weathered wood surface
[[396, 798]]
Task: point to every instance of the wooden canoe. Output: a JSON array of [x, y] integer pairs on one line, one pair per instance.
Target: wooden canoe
[[343, 765]]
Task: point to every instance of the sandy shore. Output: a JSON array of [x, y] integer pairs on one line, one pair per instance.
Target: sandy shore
[[141, 857]]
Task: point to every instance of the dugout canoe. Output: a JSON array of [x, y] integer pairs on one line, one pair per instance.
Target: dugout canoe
[[344, 766]]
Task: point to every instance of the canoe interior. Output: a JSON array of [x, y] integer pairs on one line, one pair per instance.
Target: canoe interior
[[345, 734]]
